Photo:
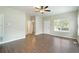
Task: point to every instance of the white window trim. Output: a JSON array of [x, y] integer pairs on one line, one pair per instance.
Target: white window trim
[[62, 30]]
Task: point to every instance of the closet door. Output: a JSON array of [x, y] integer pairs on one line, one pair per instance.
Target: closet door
[[1, 27]]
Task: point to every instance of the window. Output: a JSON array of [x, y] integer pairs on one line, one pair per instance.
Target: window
[[61, 25]]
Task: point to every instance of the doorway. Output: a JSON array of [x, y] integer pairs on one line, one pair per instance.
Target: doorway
[[31, 26]]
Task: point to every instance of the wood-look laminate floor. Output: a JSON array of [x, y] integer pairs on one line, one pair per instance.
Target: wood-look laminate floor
[[40, 44]]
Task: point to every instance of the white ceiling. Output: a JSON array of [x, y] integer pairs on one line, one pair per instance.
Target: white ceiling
[[54, 9]]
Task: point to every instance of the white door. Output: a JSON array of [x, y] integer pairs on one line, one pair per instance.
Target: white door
[[47, 26], [1, 27], [38, 26]]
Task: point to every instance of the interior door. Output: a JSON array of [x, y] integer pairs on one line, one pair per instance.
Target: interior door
[[47, 26], [38, 25]]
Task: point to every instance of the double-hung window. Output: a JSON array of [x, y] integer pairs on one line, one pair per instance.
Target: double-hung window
[[61, 25]]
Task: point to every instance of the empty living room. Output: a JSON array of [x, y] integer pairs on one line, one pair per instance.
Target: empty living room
[[39, 29]]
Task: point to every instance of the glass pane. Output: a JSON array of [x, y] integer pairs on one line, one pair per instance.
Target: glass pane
[[61, 25]]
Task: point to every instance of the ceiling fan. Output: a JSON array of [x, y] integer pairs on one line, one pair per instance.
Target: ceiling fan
[[42, 9]]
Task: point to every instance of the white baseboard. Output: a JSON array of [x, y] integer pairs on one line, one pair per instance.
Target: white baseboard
[[64, 36], [58, 36], [11, 40]]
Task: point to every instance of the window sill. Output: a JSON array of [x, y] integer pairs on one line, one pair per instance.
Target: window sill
[[61, 31]]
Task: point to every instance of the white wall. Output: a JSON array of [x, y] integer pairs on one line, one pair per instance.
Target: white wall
[[78, 26], [71, 16], [47, 25], [38, 25], [26, 23], [1, 24], [43, 25], [1, 27], [78, 22], [15, 27]]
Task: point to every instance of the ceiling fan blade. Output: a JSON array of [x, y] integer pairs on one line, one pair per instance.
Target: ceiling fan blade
[[46, 7], [48, 10], [36, 8], [41, 7]]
